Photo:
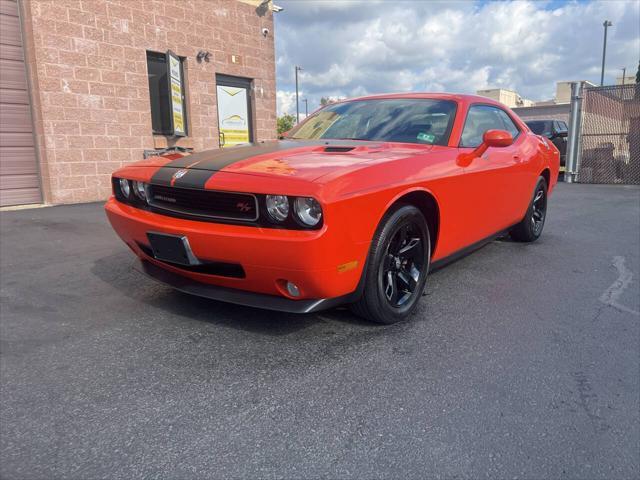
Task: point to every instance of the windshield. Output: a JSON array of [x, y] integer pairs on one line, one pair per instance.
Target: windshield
[[540, 127], [423, 121]]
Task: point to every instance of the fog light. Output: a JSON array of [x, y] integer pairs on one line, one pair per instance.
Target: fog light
[[293, 289]]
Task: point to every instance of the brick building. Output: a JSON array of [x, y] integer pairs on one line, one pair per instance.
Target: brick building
[[552, 111], [87, 86]]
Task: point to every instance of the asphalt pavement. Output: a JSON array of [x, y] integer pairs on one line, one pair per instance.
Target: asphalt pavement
[[522, 361]]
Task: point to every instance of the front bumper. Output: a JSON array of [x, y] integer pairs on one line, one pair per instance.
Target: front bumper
[[240, 297], [314, 260]]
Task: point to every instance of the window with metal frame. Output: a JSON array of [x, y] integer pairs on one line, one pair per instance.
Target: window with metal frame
[[509, 124], [481, 118]]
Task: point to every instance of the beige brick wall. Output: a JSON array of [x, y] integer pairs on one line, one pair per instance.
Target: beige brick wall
[[89, 80], [544, 112]]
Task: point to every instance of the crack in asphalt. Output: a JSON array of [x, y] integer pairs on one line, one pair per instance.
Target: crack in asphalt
[[612, 294]]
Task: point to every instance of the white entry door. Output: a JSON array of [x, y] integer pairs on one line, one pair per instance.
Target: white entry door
[[234, 121]]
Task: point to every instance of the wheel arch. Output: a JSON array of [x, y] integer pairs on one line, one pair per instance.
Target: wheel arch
[[546, 174], [427, 203]]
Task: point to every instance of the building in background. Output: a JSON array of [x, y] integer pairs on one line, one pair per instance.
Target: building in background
[[88, 85], [563, 90], [507, 97], [629, 79], [556, 108]]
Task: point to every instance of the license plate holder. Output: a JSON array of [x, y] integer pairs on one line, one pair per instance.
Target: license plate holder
[[172, 248]]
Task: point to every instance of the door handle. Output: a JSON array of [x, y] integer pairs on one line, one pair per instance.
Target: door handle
[[516, 157]]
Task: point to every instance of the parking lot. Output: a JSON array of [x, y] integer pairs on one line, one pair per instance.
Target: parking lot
[[522, 361]]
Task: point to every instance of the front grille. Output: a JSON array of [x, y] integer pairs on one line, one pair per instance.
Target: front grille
[[204, 203]]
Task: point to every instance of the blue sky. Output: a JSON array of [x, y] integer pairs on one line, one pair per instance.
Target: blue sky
[[350, 48]]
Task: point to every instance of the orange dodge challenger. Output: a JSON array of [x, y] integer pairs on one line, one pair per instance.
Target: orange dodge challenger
[[353, 206]]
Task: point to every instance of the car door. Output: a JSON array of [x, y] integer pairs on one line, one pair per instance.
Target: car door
[[493, 177]]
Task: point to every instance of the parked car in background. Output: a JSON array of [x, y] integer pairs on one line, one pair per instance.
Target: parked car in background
[[354, 206], [554, 130]]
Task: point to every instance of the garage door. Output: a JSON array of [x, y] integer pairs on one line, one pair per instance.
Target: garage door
[[19, 181]]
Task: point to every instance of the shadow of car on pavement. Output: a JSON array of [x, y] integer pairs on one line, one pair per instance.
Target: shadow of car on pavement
[[117, 270]]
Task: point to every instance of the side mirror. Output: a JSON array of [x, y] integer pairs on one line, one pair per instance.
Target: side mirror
[[497, 138], [491, 138]]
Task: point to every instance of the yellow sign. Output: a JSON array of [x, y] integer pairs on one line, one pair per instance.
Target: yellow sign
[[176, 101], [233, 137], [177, 105]]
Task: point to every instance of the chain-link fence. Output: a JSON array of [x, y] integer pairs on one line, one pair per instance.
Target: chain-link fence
[[610, 135]]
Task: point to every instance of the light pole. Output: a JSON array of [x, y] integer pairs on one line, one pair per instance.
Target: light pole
[[624, 74], [298, 69], [606, 24], [306, 107]]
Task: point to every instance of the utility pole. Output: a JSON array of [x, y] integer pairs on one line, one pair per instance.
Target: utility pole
[[606, 24], [624, 74], [306, 107], [297, 69]]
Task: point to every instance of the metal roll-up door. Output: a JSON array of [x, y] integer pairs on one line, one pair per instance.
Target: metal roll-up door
[[19, 177]]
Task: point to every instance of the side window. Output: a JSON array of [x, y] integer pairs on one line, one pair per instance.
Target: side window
[[480, 118], [166, 93], [509, 126], [561, 127]]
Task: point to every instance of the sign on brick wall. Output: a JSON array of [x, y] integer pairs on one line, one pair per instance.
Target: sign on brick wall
[[175, 93]]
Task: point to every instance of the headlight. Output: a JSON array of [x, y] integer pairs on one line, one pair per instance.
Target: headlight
[[125, 188], [278, 207], [139, 188], [308, 211]]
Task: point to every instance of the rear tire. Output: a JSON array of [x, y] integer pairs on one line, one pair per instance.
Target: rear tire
[[397, 267], [530, 228]]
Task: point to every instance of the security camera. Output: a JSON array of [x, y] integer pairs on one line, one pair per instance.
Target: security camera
[[265, 32]]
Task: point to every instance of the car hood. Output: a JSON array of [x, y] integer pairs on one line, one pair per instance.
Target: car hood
[[300, 159]]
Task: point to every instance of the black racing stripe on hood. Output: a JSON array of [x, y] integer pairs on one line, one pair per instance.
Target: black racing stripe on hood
[[201, 166]]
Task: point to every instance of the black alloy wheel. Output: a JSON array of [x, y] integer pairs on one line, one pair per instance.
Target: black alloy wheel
[[539, 210], [530, 228], [399, 273], [397, 266]]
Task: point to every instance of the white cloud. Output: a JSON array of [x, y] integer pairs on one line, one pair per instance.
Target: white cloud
[[350, 48], [286, 101]]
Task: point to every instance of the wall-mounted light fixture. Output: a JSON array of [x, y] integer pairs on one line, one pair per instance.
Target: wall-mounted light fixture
[[202, 55]]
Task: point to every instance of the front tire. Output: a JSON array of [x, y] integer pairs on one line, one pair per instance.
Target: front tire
[[397, 267], [530, 228]]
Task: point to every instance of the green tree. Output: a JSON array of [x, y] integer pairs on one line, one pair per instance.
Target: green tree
[[285, 123]]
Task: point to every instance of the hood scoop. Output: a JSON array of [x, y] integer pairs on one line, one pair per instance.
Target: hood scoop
[[347, 149], [336, 149]]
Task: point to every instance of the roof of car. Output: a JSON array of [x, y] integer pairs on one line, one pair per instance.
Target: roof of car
[[459, 97]]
